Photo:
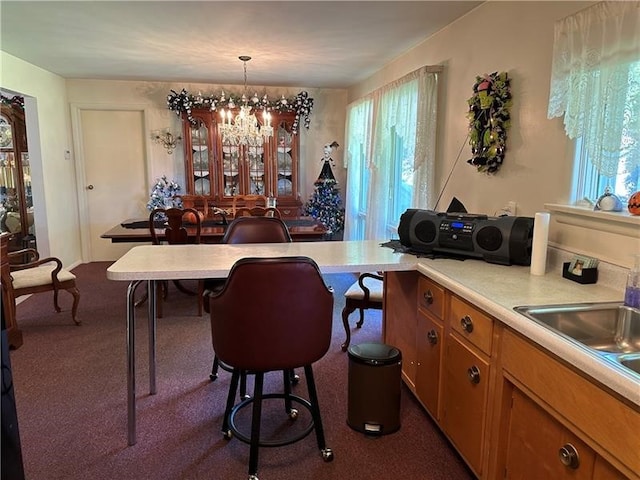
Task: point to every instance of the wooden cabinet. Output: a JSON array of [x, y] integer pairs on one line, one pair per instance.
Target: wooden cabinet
[[559, 414], [511, 409], [14, 334], [466, 379], [16, 201], [400, 323], [429, 344], [219, 170]]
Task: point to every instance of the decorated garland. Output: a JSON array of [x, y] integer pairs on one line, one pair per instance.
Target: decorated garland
[[15, 101], [489, 120], [184, 102]]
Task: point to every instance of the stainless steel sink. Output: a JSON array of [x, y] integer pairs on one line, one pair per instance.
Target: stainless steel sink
[[611, 329]]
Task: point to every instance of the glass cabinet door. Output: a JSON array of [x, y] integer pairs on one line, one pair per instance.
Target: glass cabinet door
[[200, 159], [255, 164], [285, 163]]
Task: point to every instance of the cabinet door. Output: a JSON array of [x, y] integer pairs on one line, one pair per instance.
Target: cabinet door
[[429, 343], [200, 154], [400, 290], [465, 386], [540, 447], [283, 159]]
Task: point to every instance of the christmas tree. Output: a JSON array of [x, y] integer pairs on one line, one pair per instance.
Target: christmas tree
[[325, 204]]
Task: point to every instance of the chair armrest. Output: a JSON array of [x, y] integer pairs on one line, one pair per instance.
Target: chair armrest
[[364, 288], [54, 272], [31, 252]]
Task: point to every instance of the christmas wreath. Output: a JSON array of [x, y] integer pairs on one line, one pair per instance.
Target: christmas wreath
[[184, 102], [489, 120]]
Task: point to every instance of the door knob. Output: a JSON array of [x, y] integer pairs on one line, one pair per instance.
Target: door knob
[[89, 187]]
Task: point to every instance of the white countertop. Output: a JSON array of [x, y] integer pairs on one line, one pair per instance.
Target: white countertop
[[493, 288]]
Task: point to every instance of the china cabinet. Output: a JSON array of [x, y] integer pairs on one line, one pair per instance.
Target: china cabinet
[[221, 171], [16, 201]]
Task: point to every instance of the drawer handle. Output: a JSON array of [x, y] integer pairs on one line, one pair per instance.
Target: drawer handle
[[433, 337], [569, 456], [428, 297], [474, 374], [467, 323]]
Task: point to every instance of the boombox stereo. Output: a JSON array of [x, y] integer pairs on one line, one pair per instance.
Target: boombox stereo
[[503, 240]]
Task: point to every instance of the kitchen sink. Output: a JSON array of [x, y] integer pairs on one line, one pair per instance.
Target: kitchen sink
[[632, 362], [611, 329]]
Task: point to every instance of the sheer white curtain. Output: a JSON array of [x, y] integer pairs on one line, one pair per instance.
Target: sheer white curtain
[[390, 155], [593, 83]]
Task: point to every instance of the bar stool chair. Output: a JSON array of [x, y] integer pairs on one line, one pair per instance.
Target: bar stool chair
[[285, 325], [248, 229]]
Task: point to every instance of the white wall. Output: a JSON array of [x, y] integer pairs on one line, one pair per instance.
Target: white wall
[[516, 37], [53, 175]]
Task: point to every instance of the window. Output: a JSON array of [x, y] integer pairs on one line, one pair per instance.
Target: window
[[623, 177], [595, 86], [390, 145]]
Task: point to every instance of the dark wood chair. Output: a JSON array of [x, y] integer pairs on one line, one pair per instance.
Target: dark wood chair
[[257, 212], [364, 294], [247, 201], [37, 275], [175, 233], [286, 325]]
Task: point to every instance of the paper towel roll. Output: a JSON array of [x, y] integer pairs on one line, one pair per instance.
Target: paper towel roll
[[539, 247]]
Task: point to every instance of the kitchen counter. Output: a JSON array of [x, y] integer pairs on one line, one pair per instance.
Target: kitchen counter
[[497, 289]]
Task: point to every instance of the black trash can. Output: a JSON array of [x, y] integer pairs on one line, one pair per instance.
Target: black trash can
[[374, 388]]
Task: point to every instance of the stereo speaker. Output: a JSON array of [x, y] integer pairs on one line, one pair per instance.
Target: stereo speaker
[[502, 240]]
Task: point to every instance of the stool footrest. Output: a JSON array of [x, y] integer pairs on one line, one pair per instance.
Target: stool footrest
[[276, 443]]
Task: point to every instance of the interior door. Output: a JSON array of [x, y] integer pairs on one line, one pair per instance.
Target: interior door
[[113, 143]]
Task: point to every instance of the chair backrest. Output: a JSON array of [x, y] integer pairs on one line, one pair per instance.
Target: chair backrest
[[174, 231], [199, 202], [257, 230], [248, 201], [272, 314], [257, 212]]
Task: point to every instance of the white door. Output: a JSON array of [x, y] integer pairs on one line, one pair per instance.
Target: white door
[[113, 144]]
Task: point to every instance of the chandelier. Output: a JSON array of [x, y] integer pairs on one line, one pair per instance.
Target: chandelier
[[245, 129]]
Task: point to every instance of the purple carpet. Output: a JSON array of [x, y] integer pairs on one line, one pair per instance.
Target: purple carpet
[[70, 385]]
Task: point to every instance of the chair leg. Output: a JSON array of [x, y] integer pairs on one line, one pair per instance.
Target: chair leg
[[231, 397], [361, 321], [255, 425], [214, 369], [346, 311], [327, 453], [76, 300]]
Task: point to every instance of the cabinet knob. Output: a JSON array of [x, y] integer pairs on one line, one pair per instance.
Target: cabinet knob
[[569, 456], [474, 374], [428, 297], [89, 187], [467, 323], [433, 337]]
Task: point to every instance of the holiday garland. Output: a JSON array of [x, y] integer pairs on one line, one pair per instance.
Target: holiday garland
[[489, 120], [15, 101], [184, 102]]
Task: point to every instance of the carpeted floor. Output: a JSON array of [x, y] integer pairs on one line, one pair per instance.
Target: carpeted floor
[[70, 385]]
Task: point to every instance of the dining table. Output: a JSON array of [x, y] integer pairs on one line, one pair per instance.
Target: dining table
[[147, 264], [302, 229]]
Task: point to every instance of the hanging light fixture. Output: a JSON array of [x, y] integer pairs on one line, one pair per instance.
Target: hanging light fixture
[[244, 129]]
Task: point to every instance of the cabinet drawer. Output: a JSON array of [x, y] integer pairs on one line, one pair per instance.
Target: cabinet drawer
[[473, 324], [431, 297]]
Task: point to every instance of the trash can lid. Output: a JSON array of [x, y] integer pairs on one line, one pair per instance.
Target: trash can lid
[[374, 353]]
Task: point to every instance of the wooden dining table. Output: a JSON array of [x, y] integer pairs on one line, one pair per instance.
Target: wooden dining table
[[302, 229]]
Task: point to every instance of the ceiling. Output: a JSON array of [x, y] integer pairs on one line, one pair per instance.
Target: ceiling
[[321, 44]]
